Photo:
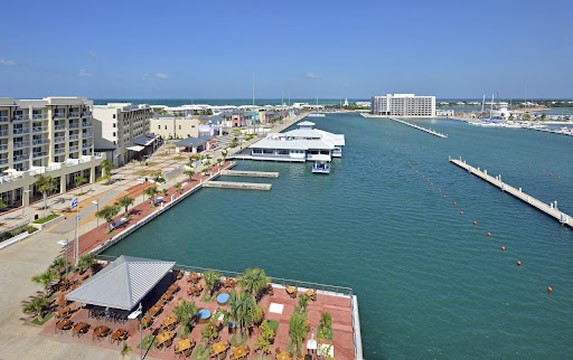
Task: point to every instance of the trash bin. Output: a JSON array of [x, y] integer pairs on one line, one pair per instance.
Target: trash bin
[[36, 216]]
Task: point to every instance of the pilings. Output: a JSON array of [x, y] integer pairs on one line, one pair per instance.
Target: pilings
[[549, 209], [421, 128], [236, 185], [256, 174]]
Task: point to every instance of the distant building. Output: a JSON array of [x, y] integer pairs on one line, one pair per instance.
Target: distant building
[[408, 105], [53, 137], [117, 125], [445, 113], [171, 127]]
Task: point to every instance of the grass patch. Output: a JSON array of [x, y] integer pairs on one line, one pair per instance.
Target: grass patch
[[201, 352], [147, 343], [144, 172], [43, 320], [151, 163], [179, 158], [44, 220], [11, 234], [163, 154]]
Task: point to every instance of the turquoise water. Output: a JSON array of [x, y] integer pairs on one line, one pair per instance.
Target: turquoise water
[[430, 284]]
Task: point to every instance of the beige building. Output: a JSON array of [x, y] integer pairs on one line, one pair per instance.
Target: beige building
[[52, 136], [117, 126], [408, 105], [172, 127]]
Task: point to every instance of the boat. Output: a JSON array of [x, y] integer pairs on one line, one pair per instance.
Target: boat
[[321, 167]]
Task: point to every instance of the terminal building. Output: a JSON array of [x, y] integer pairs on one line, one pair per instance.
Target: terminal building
[[407, 105], [53, 137]]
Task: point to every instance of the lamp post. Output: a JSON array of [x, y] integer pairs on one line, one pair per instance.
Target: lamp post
[[137, 315], [24, 201], [96, 203]]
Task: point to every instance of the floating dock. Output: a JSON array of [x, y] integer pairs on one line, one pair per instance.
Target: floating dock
[[421, 128], [549, 209], [236, 185], [256, 174]]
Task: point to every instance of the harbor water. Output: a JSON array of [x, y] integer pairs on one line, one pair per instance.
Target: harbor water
[[430, 283]]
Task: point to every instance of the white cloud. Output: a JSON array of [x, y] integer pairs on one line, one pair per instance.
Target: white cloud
[[161, 75], [311, 75], [85, 73], [7, 62]]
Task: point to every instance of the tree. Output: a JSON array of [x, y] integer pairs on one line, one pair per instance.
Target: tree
[[80, 180], [108, 213], [184, 311], [244, 310], [266, 338], [125, 202], [302, 303], [2, 204], [46, 278], [178, 187], [209, 332], [165, 192], [85, 262], [225, 153], [45, 184], [157, 176], [151, 192], [253, 281], [37, 305], [189, 173], [59, 265], [211, 279], [107, 166], [297, 329]]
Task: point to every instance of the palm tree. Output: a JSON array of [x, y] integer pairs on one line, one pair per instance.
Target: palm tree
[[107, 166], [297, 329], [157, 176], [211, 279], [125, 202], [45, 184], [178, 187], [184, 311], [85, 262], [189, 173], [151, 192], [59, 265], [37, 305], [80, 180], [253, 281], [108, 213], [2, 204], [244, 310], [45, 279]]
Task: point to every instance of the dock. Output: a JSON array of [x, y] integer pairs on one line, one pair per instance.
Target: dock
[[549, 209], [237, 185], [255, 174], [240, 157], [421, 128], [559, 132]]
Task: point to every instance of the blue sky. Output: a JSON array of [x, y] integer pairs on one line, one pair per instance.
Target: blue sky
[[331, 49]]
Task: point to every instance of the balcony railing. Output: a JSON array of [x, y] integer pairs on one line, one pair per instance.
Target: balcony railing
[[38, 117], [3, 147], [59, 139], [87, 113], [74, 137], [59, 150], [39, 129], [60, 127], [21, 144], [40, 141], [4, 118], [18, 118], [3, 161], [21, 131], [3, 133], [59, 115], [40, 154], [87, 145], [87, 124], [74, 125], [74, 148], [20, 158], [74, 114]]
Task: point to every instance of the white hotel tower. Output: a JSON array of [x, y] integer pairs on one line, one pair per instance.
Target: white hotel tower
[[407, 105]]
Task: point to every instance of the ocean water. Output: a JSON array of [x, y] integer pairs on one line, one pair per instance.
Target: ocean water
[[430, 284]]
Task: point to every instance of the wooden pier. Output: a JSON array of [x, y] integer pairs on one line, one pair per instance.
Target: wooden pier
[[421, 128], [255, 174], [550, 209], [236, 185]]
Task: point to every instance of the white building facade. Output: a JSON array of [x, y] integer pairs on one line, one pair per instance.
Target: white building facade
[[407, 105], [52, 136], [172, 127], [117, 125]]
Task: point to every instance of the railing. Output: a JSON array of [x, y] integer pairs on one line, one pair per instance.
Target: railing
[[3, 147], [74, 125], [3, 161], [38, 117], [40, 154], [21, 118], [59, 115], [4, 133], [4, 118], [21, 144], [60, 127], [40, 141], [19, 158], [87, 113], [74, 137], [86, 123], [21, 131], [87, 145], [39, 129], [59, 150], [60, 139], [74, 148], [74, 114]]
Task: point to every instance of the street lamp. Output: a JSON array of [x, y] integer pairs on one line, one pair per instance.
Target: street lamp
[[24, 201], [137, 315], [96, 203]]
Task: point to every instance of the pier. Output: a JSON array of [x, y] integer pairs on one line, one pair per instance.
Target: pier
[[421, 128], [236, 185], [240, 157], [255, 174], [559, 132], [549, 209]]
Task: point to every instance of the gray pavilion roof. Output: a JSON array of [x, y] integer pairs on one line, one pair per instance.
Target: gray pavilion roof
[[192, 141], [123, 283]]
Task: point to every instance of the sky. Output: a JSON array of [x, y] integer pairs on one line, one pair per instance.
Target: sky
[[299, 49]]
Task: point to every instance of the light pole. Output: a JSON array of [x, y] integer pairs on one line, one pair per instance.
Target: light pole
[[24, 201], [96, 203], [137, 315]]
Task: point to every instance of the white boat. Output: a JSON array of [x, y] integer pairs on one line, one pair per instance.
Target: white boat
[[321, 167]]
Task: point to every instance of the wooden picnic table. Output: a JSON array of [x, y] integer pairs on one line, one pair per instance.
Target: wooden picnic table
[[218, 348], [167, 297], [65, 324], [146, 321], [155, 309], [311, 293], [101, 331], [81, 328], [239, 352], [63, 311], [169, 321], [173, 288], [229, 283], [184, 345], [163, 339], [283, 356], [119, 335], [291, 290], [194, 277]]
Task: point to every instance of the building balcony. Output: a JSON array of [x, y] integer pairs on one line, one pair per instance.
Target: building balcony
[[59, 139], [39, 154], [59, 115], [40, 141], [86, 113], [74, 148], [39, 129], [87, 124], [21, 118], [3, 161], [74, 137], [60, 127], [21, 144], [4, 118], [3, 133], [21, 131], [74, 114], [3, 147], [20, 158], [39, 117], [74, 126], [87, 145], [58, 151]]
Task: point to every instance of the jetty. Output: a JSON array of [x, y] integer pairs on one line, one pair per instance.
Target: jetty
[[255, 174], [559, 132], [421, 128], [549, 209], [236, 185]]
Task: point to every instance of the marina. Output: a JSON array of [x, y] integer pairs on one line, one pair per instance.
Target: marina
[[256, 174], [237, 185], [421, 128], [549, 209]]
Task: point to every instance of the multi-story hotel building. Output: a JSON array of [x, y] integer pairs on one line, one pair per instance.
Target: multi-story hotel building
[[52, 136], [173, 127], [408, 105], [123, 129]]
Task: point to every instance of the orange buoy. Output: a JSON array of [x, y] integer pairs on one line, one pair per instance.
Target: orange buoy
[[502, 248], [518, 263], [454, 203], [461, 212], [475, 222], [488, 233], [549, 289]]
